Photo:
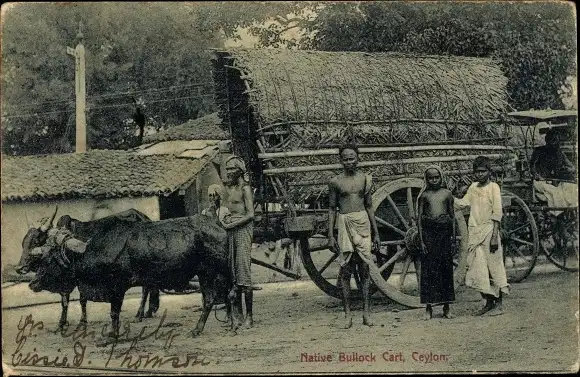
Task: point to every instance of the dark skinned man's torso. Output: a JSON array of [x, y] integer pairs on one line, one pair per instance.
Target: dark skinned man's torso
[[436, 203], [350, 192]]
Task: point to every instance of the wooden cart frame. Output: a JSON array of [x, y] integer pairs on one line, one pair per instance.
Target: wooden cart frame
[[288, 112]]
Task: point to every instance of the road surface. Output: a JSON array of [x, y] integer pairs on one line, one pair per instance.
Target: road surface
[[295, 331]]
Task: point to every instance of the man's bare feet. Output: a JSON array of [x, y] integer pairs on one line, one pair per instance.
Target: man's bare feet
[[367, 320], [497, 310], [249, 322], [347, 323], [484, 310], [446, 312], [428, 313]]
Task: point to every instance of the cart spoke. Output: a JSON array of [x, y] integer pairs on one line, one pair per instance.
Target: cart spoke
[[391, 226], [417, 263], [334, 256], [399, 214], [519, 251], [395, 242], [410, 205], [404, 272], [519, 240], [519, 228], [401, 252]]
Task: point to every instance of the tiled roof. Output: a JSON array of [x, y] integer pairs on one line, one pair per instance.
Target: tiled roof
[[204, 128], [181, 148], [96, 174]]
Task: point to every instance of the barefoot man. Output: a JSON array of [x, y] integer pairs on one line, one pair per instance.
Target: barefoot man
[[350, 193], [240, 228]]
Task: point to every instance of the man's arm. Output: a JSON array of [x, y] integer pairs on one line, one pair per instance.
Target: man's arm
[[460, 204], [420, 204], [533, 161], [496, 216], [249, 203], [451, 212], [371, 214], [332, 204]]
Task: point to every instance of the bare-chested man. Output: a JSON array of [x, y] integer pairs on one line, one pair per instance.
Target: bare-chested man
[[350, 192], [240, 228]]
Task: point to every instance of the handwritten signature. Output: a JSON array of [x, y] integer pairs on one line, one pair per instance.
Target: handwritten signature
[[26, 329], [143, 360], [117, 357]]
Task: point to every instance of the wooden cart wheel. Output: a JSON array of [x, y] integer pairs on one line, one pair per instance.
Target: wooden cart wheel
[[395, 213], [394, 222], [519, 237], [322, 266], [561, 244], [398, 262]]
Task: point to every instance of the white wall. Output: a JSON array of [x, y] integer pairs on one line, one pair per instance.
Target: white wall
[[196, 198], [16, 215]]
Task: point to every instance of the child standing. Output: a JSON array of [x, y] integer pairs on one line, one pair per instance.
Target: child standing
[[485, 254], [437, 234], [216, 211]]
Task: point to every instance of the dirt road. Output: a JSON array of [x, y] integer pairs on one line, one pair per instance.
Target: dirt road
[[295, 323]]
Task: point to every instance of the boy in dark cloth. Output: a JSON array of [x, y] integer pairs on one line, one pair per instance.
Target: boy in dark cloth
[[437, 234]]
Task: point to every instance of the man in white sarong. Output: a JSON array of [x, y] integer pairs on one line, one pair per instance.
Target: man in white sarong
[[350, 193], [485, 253], [550, 162]]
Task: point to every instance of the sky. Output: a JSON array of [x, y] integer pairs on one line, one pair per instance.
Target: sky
[[247, 40]]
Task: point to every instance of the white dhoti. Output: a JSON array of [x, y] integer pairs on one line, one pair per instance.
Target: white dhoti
[[564, 195], [482, 263], [354, 234]]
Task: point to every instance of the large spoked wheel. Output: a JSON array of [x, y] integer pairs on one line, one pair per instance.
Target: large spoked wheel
[[561, 244], [519, 237], [321, 264]]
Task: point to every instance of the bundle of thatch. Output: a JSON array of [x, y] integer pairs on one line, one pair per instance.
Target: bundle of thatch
[[294, 108]]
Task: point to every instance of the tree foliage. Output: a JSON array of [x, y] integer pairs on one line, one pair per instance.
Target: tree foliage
[[132, 51], [155, 53], [535, 42]]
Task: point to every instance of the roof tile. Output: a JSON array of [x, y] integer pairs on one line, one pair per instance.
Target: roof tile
[[97, 173]]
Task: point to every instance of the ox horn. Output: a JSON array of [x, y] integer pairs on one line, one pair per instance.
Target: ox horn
[[53, 215], [46, 226]]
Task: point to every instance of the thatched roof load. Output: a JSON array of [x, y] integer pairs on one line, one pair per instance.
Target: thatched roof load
[[293, 100], [290, 85]]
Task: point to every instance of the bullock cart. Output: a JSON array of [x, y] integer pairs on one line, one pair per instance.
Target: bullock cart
[[289, 111], [558, 234]]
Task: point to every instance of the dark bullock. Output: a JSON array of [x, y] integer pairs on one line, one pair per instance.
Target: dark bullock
[[83, 231], [165, 254]]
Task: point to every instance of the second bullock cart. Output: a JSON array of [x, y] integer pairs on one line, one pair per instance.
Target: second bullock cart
[[289, 111]]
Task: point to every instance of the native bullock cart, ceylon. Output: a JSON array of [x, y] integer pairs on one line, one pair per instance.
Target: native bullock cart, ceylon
[[288, 112]]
